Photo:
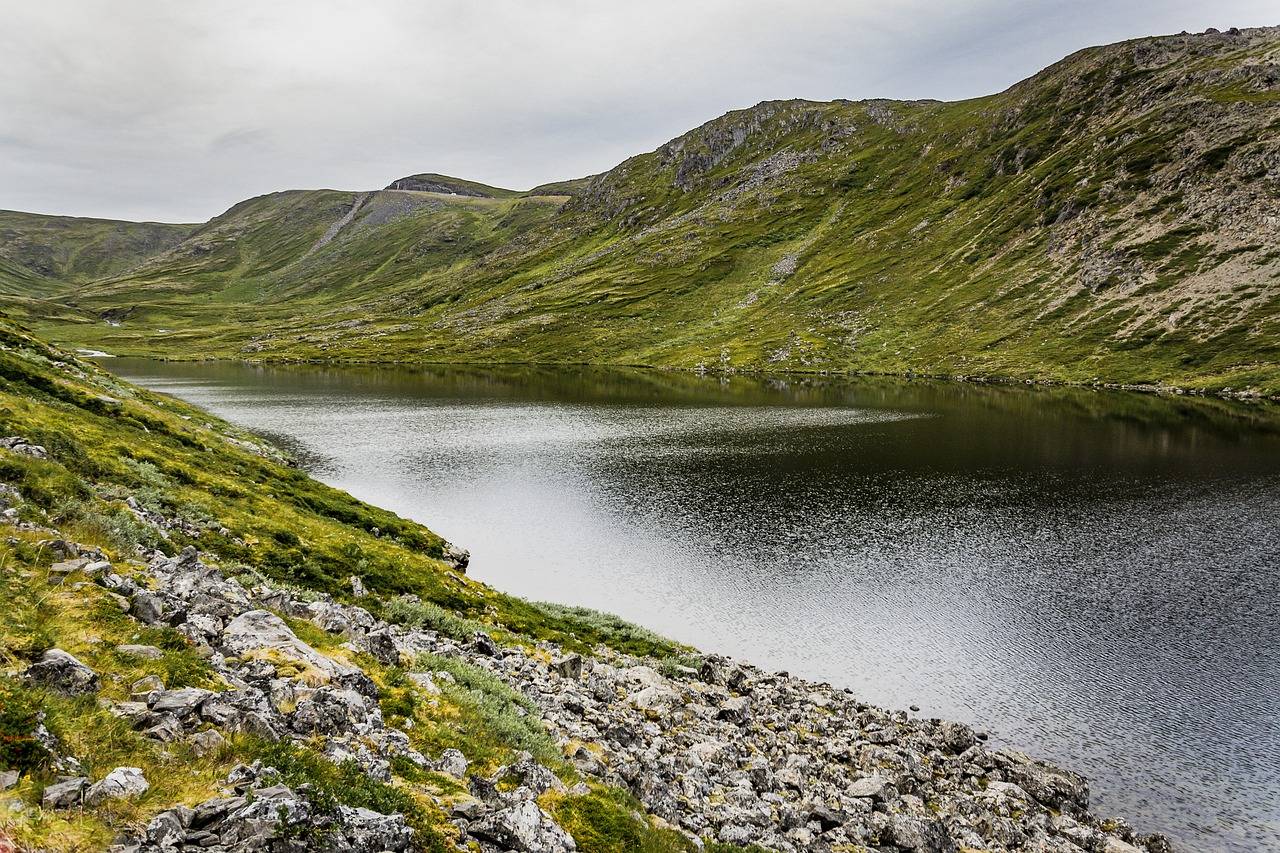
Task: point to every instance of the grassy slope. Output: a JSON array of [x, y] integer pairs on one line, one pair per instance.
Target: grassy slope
[[42, 254], [1107, 219], [108, 441]]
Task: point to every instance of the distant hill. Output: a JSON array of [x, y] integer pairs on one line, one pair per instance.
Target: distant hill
[[1113, 218], [433, 183], [41, 254]]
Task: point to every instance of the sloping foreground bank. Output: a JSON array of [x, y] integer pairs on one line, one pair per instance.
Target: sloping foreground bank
[[205, 649]]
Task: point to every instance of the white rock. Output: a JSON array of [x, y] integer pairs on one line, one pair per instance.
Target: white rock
[[119, 784]]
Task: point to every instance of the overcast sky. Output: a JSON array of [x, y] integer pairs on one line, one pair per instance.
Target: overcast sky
[[173, 111]]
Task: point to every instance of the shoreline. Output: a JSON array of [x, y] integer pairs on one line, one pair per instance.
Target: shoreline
[[1158, 390]]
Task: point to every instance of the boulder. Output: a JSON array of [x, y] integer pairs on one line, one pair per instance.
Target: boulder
[[257, 631], [119, 784], [654, 698], [64, 794], [206, 742], [527, 773], [453, 762], [60, 671], [523, 827], [183, 702], [921, 835], [735, 710], [569, 666], [872, 787], [148, 608], [956, 737], [1051, 786], [63, 568], [363, 829]]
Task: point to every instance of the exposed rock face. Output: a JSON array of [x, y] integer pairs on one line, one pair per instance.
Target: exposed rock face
[[20, 445], [431, 183], [523, 827]]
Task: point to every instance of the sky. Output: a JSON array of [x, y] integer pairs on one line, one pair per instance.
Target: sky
[[174, 111]]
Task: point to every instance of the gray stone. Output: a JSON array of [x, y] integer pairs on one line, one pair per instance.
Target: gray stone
[[64, 794], [66, 567], [146, 685], [60, 671], [569, 666], [182, 702], [119, 784], [735, 710], [453, 762], [259, 630], [523, 827], [139, 651], [206, 742], [1051, 786], [873, 787], [147, 607]]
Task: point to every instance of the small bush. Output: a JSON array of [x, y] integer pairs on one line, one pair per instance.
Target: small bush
[[113, 525], [412, 613], [609, 630], [19, 716], [503, 714]]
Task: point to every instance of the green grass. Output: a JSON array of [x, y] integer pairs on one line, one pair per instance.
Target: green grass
[[611, 821]]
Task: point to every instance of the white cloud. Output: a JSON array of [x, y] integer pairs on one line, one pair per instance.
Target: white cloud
[[162, 110]]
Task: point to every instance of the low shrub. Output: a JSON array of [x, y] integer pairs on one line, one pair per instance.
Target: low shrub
[[19, 715]]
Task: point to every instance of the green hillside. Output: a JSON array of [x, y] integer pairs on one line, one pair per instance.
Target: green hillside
[[1109, 219], [42, 254]]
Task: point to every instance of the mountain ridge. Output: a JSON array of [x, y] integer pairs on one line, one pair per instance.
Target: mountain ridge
[[1109, 219]]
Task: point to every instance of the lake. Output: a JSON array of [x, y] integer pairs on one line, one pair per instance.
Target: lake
[[1090, 576]]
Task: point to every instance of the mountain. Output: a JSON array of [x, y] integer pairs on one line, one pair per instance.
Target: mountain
[[40, 254], [1112, 218]]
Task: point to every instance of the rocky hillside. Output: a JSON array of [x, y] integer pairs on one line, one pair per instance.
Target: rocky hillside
[[204, 649], [1113, 218]]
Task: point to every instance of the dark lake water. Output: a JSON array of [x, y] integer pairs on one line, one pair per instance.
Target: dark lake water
[[1093, 577]]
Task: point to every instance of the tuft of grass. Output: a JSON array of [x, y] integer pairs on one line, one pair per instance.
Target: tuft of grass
[[414, 613], [608, 820]]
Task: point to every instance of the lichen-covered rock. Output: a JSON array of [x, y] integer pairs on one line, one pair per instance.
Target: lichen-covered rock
[[259, 631], [119, 784], [524, 827], [64, 794], [61, 671]]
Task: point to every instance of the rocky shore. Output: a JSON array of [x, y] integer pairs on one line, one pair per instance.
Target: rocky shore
[[719, 750]]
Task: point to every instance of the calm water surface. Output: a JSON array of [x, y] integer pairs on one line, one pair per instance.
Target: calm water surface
[[1093, 577]]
